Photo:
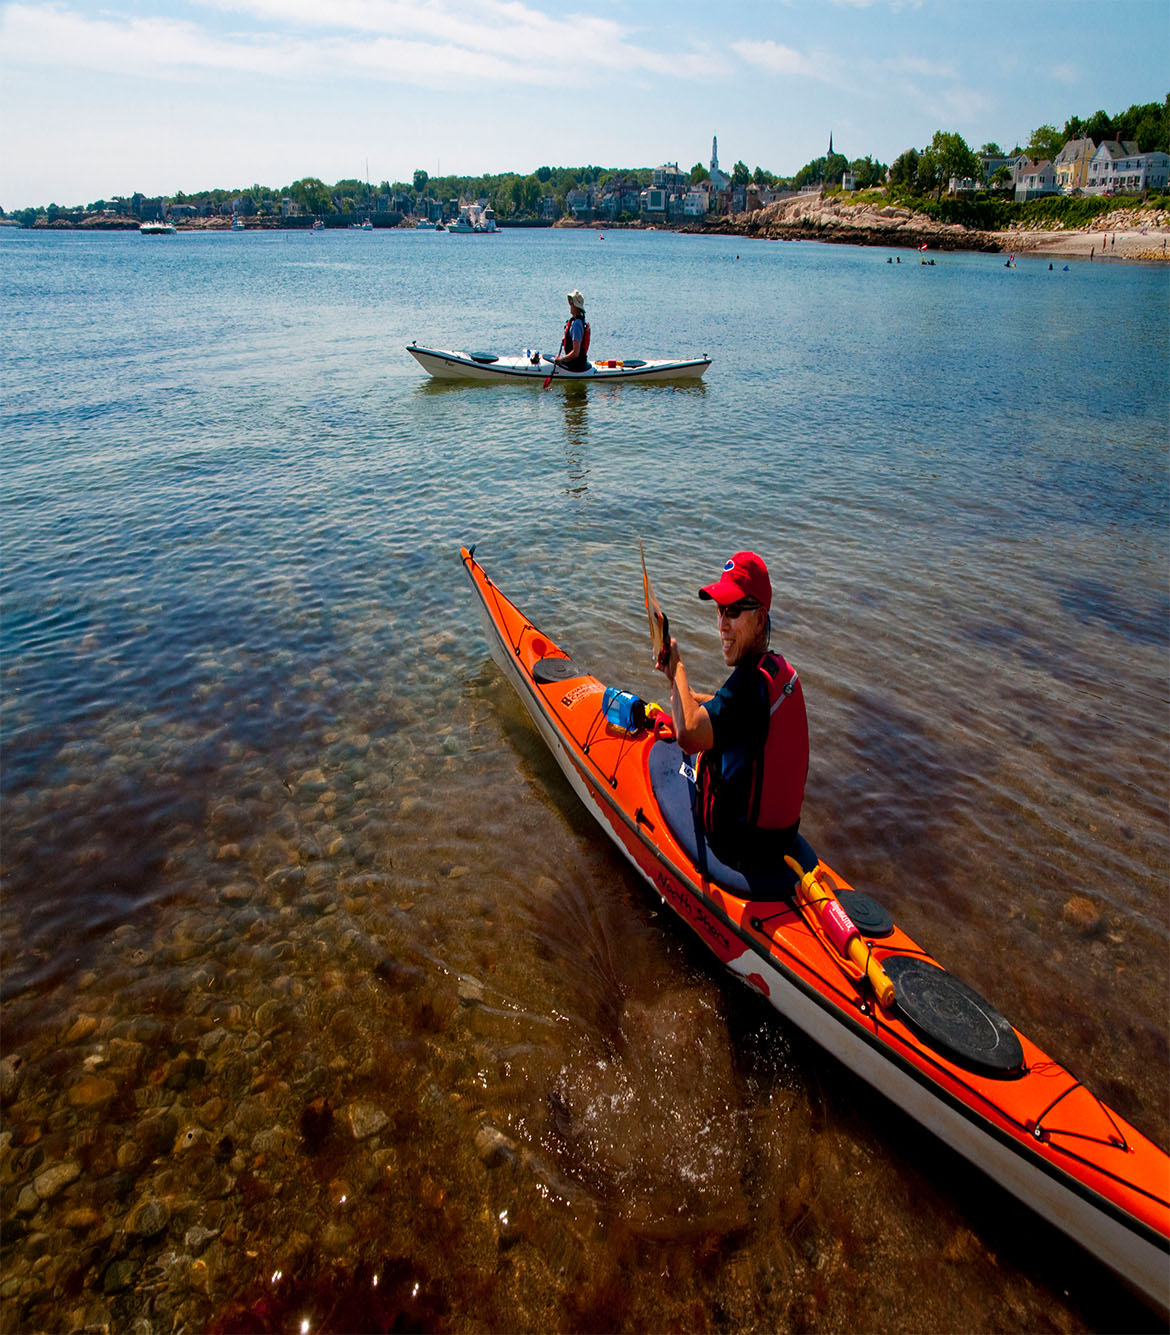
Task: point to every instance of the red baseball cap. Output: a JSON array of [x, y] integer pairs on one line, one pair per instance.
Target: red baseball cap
[[744, 576]]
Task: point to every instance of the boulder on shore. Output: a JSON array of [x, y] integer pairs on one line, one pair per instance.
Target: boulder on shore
[[813, 217]]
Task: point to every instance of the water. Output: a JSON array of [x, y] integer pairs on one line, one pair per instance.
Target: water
[[323, 999]]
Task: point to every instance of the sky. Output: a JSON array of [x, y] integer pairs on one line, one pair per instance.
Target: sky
[[157, 96]]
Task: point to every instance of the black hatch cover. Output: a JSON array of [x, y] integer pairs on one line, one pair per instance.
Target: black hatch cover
[[954, 1017], [545, 670]]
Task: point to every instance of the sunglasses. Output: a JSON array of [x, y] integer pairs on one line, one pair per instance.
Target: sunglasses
[[733, 611]]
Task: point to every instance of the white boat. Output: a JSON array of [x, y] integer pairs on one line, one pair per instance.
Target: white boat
[[237, 223], [424, 226], [155, 228], [449, 364], [461, 224]]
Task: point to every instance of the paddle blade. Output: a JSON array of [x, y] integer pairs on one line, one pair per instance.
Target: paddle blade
[[659, 626]]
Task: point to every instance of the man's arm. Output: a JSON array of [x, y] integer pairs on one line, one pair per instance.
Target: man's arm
[[571, 355], [692, 723]]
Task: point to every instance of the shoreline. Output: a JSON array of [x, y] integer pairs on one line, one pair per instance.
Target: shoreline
[[1117, 236], [1141, 245], [1126, 234]]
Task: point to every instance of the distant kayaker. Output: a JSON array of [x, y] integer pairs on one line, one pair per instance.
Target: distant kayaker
[[574, 353], [752, 735]]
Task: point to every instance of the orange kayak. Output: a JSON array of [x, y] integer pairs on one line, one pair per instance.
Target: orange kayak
[[833, 962]]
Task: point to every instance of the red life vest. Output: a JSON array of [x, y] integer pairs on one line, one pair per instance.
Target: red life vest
[[775, 787], [778, 787], [582, 361]]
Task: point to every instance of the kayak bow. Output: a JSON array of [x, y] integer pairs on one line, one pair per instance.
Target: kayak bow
[[852, 979]]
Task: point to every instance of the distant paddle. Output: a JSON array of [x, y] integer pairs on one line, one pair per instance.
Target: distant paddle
[[548, 378], [659, 625]]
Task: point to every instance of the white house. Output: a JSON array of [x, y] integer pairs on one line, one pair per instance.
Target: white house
[[697, 201], [1034, 179], [1118, 167]]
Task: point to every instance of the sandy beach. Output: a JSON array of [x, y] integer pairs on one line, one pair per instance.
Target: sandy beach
[[1151, 243]]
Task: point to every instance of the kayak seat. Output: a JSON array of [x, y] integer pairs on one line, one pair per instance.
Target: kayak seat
[[674, 793]]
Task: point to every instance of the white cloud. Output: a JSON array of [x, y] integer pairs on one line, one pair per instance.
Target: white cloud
[[425, 42], [776, 58], [159, 47]]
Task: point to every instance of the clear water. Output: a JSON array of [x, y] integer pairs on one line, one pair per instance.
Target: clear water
[[323, 999]]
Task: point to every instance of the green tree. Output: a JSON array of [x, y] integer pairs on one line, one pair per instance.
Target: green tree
[[420, 178], [992, 150], [1148, 126], [928, 176], [1099, 126], [1046, 142], [809, 174], [836, 165], [740, 174], [530, 198], [868, 172], [952, 159], [312, 195], [904, 170], [1001, 178], [698, 173]]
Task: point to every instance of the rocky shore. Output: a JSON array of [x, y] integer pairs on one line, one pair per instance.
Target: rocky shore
[[1129, 233]]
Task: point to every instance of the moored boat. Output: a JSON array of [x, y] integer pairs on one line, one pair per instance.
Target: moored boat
[[450, 364], [155, 228], [833, 961]]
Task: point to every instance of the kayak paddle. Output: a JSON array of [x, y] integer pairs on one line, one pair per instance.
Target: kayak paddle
[[548, 378], [659, 625]]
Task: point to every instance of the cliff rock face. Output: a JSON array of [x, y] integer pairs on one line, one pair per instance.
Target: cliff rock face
[[812, 217]]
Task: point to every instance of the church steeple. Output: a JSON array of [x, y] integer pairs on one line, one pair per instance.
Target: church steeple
[[714, 152], [830, 143]]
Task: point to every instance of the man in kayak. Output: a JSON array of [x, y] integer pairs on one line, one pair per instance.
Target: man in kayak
[[574, 353], [752, 735]]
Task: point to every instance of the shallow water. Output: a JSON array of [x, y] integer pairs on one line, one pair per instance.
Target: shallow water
[[323, 999]]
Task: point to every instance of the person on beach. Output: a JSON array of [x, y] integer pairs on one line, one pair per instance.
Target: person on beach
[[574, 353], [752, 736]]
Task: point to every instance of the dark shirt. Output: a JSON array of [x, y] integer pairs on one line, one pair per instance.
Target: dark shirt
[[739, 720]]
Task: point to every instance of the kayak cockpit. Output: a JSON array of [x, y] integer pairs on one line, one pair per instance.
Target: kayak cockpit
[[674, 793]]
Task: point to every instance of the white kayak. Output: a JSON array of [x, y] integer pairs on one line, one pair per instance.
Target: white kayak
[[449, 364]]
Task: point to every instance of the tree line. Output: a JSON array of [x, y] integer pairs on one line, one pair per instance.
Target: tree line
[[926, 171], [923, 172]]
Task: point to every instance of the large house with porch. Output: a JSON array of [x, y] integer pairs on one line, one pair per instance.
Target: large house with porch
[[1118, 167]]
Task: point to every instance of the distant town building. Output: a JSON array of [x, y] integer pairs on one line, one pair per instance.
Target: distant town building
[[720, 181], [697, 201], [990, 163], [653, 200], [579, 203], [1116, 167], [669, 178], [1072, 164], [1034, 179]]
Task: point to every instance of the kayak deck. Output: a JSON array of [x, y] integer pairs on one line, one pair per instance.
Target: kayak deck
[[985, 1089], [454, 364]]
